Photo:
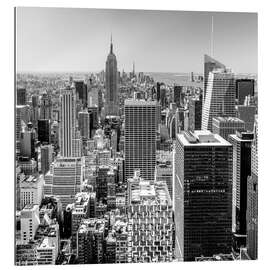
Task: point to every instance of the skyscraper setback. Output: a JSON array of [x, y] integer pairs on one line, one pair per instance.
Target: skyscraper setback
[[111, 97]]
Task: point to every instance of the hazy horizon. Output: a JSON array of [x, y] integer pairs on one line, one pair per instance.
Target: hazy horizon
[[74, 40]]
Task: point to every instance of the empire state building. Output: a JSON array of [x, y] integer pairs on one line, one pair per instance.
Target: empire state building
[[112, 104]]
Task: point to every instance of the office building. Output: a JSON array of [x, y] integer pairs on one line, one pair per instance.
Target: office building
[[44, 131], [81, 92], [31, 190], [195, 114], [111, 83], [241, 142], [35, 110], [67, 121], [209, 65], [28, 166], [47, 155], [140, 138], [150, 219], [29, 222], [45, 106], [247, 114], [64, 180], [244, 88], [27, 143], [202, 195], [83, 119], [177, 91], [252, 199], [21, 96], [224, 126], [219, 98]]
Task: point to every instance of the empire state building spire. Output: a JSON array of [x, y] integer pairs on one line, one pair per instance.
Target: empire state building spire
[[111, 50], [111, 83]]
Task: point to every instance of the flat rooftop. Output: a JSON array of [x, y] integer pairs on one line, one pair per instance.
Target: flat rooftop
[[140, 102], [228, 119], [201, 138]]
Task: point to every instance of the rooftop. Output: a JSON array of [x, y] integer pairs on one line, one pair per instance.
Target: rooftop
[[201, 138], [228, 119], [140, 102]]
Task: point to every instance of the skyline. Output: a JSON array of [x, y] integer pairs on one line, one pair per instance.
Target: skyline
[[81, 42]]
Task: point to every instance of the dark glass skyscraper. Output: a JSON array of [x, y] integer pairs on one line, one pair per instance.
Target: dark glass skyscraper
[[44, 131], [241, 142], [202, 199], [244, 87]]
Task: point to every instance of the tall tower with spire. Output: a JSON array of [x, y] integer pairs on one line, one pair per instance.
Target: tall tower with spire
[[111, 83]]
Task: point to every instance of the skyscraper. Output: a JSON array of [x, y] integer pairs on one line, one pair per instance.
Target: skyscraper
[[241, 142], [247, 114], [21, 96], [202, 199], [67, 121], [84, 124], [209, 65], [252, 199], [46, 157], [219, 98], [195, 114], [45, 106], [111, 97], [44, 131], [140, 137], [244, 87], [81, 92]]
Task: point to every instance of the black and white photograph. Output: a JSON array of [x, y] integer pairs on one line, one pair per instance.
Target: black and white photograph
[[135, 136]]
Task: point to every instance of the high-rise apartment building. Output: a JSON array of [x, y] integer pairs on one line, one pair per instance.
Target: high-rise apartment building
[[202, 195], [219, 98], [150, 221], [111, 83], [241, 142], [140, 137], [224, 126]]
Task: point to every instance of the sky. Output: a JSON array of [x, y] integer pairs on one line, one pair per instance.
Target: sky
[[70, 40]]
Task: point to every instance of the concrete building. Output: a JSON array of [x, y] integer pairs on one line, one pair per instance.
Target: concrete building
[[202, 195], [29, 222], [31, 190], [64, 180], [47, 155], [224, 126], [150, 221], [90, 241]]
